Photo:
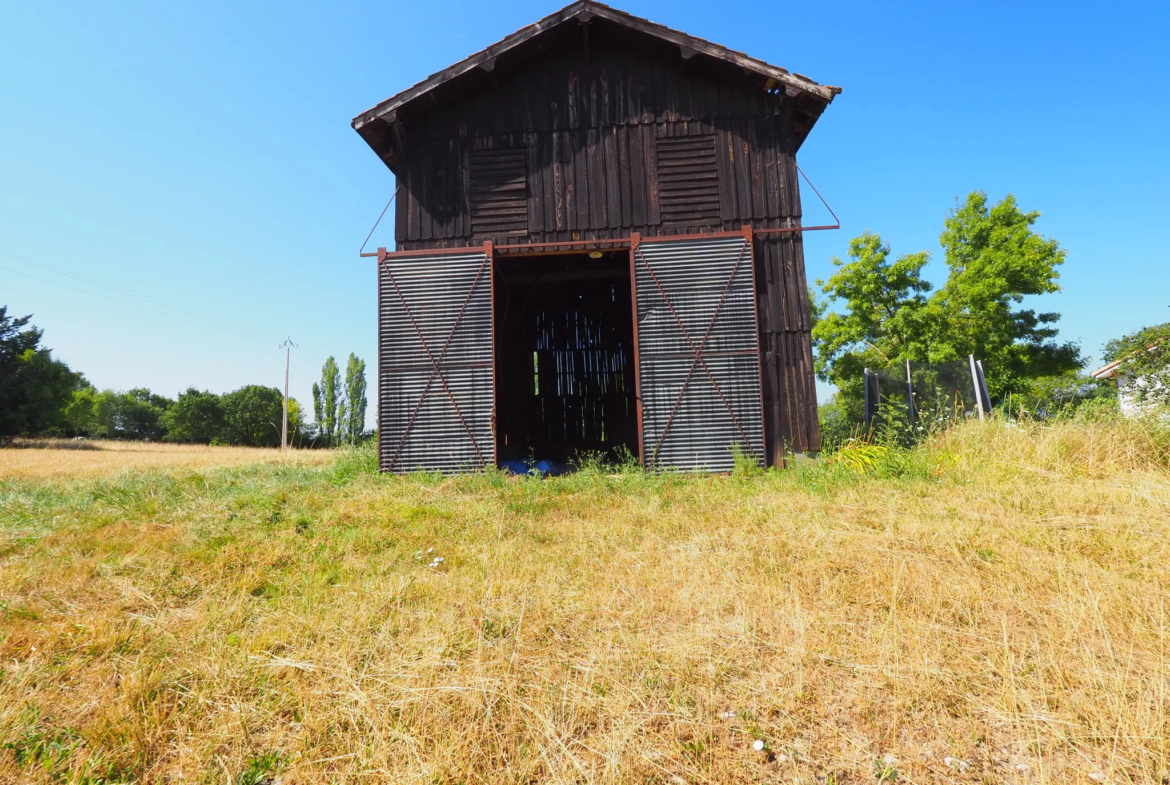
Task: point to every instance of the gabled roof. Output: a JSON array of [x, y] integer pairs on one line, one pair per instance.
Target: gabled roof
[[1111, 370], [584, 11], [1107, 371]]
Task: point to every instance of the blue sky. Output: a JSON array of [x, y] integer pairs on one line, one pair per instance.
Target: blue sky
[[201, 154]]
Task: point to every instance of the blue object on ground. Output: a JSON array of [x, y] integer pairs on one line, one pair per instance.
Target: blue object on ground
[[542, 468]]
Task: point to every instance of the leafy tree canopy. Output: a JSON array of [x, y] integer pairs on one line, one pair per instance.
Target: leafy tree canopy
[[34, 387], [195, 417], [994, 260], [252, 415], [136, 414], [81, 413]]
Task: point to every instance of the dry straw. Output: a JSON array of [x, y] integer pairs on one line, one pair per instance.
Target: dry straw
[[66, 458], [988, 607]]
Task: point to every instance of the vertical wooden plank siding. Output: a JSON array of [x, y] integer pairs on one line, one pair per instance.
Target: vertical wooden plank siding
[[592, 139]]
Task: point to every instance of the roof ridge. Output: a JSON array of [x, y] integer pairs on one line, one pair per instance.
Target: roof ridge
[[593, 8]]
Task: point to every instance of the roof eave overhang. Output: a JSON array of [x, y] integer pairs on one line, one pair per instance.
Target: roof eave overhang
[[583, 10], [1106, 372]]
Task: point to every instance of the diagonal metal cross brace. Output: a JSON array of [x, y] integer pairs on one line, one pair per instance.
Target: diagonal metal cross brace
[[698, 349], [436, 372]]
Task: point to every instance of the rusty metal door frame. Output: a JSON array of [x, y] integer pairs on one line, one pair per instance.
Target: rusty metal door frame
[[490, 253], [436, 370], [748, 251], [635, 240]]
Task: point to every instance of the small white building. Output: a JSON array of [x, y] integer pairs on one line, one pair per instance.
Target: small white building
[[1127, 386]]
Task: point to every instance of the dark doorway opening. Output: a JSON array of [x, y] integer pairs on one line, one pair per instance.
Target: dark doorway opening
[[564, 357]]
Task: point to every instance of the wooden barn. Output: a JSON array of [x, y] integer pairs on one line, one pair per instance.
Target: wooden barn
[[599, 250]]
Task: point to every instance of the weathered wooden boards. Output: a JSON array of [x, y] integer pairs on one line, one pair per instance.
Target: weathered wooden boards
[[595, 136]]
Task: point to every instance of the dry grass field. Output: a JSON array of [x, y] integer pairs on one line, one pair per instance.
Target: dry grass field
[[990, 607], [65, 458]]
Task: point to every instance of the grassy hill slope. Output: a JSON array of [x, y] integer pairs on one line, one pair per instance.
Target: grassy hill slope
[[992, 606]]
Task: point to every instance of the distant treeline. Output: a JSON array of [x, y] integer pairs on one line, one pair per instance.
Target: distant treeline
[[250, 416], [42, 396]]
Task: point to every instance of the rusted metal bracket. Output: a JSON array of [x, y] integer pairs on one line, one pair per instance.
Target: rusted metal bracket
[[362, 250], [806, 228]]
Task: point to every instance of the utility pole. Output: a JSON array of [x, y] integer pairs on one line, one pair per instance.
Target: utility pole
[[284, 428]]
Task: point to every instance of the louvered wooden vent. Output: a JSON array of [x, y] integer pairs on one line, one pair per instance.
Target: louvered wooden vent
[[688, 181], [499, 192]]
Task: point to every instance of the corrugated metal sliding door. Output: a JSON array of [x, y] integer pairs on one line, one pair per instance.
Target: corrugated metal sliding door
[[698, 352], [436, 393]]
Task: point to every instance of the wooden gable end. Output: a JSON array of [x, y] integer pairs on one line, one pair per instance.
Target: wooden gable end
[[616, 141]]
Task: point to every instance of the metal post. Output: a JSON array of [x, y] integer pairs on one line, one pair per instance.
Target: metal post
[[284, 426], [910, 391], [284, 422], [872, 396], [975, 383], [983, 391]]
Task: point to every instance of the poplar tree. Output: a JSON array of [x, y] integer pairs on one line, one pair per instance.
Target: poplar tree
[[318, 411], [326, 401], [355, 397]]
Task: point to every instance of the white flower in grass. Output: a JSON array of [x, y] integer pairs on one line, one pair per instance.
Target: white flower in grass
[[956, 763], [889, 759], [758, 745], [728, 715]]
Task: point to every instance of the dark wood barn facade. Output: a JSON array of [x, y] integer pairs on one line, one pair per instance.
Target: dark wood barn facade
[[595, 252]]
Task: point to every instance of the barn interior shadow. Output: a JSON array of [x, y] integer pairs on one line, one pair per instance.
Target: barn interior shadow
[[564, 358]]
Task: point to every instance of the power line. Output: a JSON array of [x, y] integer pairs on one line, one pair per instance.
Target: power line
[[152, 299], [205, 324]]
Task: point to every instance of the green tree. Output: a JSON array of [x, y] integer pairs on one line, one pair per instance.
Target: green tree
[[252, 416], [1050, 396], [318, 407], [994, 260], [355, 399], [35, 389], [81, 412], [195, 417], [1145, 361], [884, 321], [136, 414], [296, 423], [327, 402]]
